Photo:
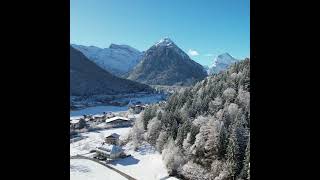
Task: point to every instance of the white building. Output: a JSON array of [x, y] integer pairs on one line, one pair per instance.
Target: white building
[[109, 151], [118, 121], [112, 139]]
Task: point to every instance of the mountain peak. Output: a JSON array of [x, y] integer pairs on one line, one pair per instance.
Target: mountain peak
[[224, 58], [165, 63], [225, 55], [127, 47], [165, 42]]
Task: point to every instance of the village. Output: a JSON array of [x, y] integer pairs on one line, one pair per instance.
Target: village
[[109, 149], [99, 138]]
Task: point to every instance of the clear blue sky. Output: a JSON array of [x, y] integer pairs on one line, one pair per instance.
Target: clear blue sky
[[209, 27]]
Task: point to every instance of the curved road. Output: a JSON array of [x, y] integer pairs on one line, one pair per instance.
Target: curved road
[[97, 161]]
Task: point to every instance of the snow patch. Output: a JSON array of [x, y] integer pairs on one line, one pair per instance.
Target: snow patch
[[83, 169]]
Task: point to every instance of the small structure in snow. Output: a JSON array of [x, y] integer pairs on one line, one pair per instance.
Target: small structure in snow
[[109, 152], [118, 121], [112, 139], [136, 109], [77, 123], [109, 115], [99, 117]]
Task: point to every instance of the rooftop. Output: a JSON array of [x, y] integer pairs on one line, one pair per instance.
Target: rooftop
[[117, 118], [74, 121], [114, 135], [109, 149]]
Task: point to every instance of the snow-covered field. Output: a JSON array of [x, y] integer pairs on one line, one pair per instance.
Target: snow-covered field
[[83, 169], [94, 139], [144, 164]]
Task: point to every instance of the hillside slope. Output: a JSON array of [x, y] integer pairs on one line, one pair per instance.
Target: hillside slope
[[203, 131], [86, 78]]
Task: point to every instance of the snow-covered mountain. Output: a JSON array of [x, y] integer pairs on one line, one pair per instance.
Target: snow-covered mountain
[[86, 78], [165, 63], [221, 63], [117, 59]]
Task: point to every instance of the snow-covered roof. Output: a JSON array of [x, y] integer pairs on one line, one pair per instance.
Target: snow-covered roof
[[117, 118], [115, 135], [109, 149], [98, 115], [75, 117], [74, 121]]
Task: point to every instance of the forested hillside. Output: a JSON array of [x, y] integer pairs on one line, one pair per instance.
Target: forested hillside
[[203, 132]]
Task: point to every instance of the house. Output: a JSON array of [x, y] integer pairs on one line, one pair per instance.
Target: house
[[118, 121], [88, 117], [136, 109], [99, 117], [110, 115], [112, 139], [107, 151], [77, 123]]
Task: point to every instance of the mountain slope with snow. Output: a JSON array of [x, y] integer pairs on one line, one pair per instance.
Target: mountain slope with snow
[[221, 63], [117, 59], [165, 63], [86, 78]]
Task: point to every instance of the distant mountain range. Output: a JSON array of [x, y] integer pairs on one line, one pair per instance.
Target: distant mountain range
[[117, 59], [86, 78], [165, 63]]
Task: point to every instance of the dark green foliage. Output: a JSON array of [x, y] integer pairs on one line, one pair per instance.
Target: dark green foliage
[[245, 173], [216, 114], [194, 130], [182, 133], [148, 114]]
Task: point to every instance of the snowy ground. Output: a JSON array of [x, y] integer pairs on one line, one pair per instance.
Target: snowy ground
[[94, 139], [83, 169], [144, 164]]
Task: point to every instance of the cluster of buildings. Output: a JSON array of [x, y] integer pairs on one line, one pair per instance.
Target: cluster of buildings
[[109, 149], [109, 119]]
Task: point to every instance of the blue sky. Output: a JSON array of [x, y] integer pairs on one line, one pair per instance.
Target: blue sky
[[204, 28]]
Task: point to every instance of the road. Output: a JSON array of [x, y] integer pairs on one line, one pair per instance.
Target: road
[[97, 161]]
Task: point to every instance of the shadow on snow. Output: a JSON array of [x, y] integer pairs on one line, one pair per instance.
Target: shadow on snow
[[126, 161]]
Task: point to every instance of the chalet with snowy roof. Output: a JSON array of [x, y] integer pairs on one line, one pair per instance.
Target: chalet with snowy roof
[[112, 139], [109, 151], [118, 121], [99, 117], [136, 109]]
